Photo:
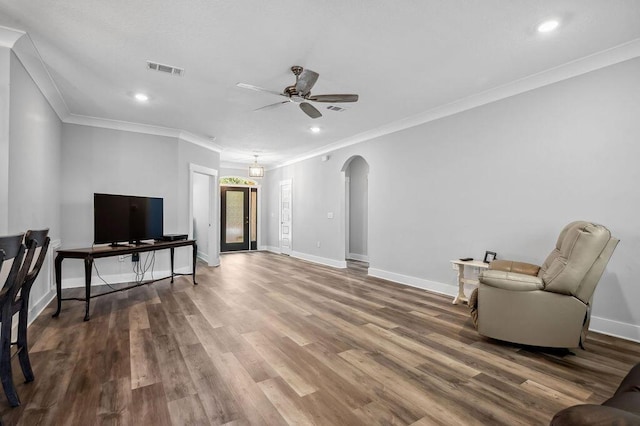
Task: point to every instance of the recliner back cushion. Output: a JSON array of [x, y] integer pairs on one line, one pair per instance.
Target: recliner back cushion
[[578, 247]]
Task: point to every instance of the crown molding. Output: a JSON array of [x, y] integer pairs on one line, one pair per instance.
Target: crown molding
[[9, 36], [22, 46], [127, 126], [602, 59]]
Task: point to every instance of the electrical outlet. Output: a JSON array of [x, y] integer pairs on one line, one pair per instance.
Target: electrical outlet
[[318, 244], [135, 257]]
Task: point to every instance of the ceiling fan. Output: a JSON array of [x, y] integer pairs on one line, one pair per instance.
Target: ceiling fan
[[300, 92]]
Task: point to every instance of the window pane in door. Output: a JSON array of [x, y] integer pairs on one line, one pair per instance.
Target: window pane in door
[[235, 217]]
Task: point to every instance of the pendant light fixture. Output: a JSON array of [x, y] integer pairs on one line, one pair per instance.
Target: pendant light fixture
[[256, 171]]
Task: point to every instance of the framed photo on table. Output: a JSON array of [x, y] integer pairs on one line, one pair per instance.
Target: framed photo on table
[[489, 256]]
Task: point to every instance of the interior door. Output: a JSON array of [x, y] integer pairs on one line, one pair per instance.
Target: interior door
[[285, 217], [234, 218]]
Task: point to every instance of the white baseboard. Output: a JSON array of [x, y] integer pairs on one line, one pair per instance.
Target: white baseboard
[[121, 278], [601, 325], [272, 249], [321, 260], [203, 256], [619, 329], [39, 306], [436, 287], [356, 256]]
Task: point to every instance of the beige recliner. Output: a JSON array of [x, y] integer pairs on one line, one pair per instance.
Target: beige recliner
[[546, 306]]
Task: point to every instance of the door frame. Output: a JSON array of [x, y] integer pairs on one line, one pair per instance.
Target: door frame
[[258, 207], [214, 212], [290, 183]]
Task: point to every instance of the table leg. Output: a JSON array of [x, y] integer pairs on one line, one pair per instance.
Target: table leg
[[460, 298], [195, 257], [171, 250], [88, 264], [58, 268]]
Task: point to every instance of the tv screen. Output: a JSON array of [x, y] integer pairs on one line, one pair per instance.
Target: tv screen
[[119, 218]]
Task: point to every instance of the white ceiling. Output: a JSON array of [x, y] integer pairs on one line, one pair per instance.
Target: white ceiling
[[401, 57]]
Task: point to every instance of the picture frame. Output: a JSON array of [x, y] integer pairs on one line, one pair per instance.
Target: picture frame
[[489, 256]]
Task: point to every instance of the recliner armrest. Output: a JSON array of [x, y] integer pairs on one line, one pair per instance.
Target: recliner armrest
[[510, 280], [513, 266]]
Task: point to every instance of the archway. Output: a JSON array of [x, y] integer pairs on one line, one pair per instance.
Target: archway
[[356, 170]]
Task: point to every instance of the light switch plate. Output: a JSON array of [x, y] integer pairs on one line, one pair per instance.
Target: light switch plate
[[330, 215]]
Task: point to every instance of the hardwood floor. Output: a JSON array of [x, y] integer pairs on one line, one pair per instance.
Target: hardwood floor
[[271, 340]]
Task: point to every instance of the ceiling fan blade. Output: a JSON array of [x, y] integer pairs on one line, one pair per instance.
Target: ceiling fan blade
[[306, 81], [310, 110], [333, 98], [258, 89], [272, 105]]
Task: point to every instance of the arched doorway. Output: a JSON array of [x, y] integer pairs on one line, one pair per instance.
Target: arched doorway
[[356, 170]]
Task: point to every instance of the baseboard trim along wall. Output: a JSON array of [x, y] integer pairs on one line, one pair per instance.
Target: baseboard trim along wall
[[129, 277], [356, 256], [321, 260], [203, 256], [615, 328], [600, 325]]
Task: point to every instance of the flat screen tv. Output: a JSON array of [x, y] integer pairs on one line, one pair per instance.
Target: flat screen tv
[[126, 218]]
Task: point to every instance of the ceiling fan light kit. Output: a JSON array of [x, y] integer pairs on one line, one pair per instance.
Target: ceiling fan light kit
[[300, 93]]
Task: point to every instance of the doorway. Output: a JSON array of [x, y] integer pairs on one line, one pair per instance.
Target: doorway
[[238, 218], [356, 171], [203, 213], [285, 217]]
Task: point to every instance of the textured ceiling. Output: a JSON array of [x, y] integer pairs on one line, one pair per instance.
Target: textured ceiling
[[401, 57]]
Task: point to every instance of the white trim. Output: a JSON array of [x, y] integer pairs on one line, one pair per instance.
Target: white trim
[[342, 264], [434, 286], [602, 59], [127, 126], [129, 277], [271, 249], [613, 328], [203, 256], [40, 306], [601, 325], [282, 183], [9, 36], [213, 259], [28, 55], [356, 256]]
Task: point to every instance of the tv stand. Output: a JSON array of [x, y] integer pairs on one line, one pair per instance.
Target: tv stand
[[90, 253]]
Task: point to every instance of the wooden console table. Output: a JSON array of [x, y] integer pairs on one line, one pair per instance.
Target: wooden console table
[[460, 265], [90, 253]]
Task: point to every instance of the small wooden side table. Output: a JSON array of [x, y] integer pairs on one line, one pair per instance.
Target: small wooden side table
[[460, 266]]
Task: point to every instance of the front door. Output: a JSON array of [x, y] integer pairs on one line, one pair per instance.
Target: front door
[[234, 218]]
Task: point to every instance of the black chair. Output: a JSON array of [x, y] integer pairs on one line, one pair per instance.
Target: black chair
[[11, 249], [37, 243], [17, 302]]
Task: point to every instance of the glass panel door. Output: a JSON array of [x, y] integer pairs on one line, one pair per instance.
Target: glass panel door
[[234, 219]]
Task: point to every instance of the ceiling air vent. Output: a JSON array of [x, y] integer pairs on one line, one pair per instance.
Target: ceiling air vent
[[167, 69], [336, 108]]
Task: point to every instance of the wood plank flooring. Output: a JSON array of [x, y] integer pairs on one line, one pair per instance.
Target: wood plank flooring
[[271, 340]]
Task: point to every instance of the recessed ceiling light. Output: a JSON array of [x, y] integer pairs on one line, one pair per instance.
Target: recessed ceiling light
[[141, 97], [548, 26], [315, 129]]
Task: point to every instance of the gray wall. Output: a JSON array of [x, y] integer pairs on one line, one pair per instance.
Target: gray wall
[[120, 162], [504, 177], [357, 174], [34, 170]]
